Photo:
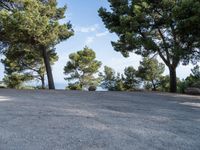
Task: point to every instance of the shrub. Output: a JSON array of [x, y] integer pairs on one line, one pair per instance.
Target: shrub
[[92, 88], [74, 87]]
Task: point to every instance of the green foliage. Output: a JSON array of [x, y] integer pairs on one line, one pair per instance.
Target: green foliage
[[109, 80], [156, 27], [194, 79], [27, 61], [16, 80], [34, 24], [74, 86], [147, 86], [150, 71], [182, 86], [164, 84], [130, 78], [196, 72], [82, 68], [119, 82]]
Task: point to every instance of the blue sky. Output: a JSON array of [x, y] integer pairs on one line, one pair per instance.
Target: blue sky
[[90, 31]]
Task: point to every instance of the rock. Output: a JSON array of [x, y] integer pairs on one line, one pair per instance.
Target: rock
[[192, 91]]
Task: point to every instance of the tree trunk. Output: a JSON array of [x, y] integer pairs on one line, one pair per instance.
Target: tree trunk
[[43, 82], [173, 84], [48, 69], [154, 86]]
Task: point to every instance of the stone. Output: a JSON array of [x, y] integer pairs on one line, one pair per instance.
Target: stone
[[192, 91]]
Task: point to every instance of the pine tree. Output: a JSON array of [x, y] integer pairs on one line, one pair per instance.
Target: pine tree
[[81, 69], [167, 28], [34, 23]]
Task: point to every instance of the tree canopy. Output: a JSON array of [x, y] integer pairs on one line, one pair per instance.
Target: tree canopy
[[82, 67], [113, 81], [193, 80], [34, 24], [130, 78], [108, 78], [150, 70], [167, 28]]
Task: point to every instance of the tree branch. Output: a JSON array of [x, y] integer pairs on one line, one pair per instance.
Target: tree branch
[[165, 44]]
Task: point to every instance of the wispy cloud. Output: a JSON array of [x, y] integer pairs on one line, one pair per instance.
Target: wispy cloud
[[102, 34], [89, 40], [87, 29]]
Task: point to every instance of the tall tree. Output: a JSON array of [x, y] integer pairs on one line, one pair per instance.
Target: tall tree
[[35, 23], [119, 83], [111, 80], [130, 78], [82, 68], [167, 28], [108, 78], [151, 70]]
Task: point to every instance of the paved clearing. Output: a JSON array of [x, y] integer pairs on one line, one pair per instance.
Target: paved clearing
[[64, 120]]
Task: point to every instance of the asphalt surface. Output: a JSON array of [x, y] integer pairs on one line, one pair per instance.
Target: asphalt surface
[[72, 120]]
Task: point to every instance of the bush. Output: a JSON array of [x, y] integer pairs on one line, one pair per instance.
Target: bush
[[196, 84], [182, 86], [74, 87], [92, 88]]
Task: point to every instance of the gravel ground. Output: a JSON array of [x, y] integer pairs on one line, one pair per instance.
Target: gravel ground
[[72, 120]]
